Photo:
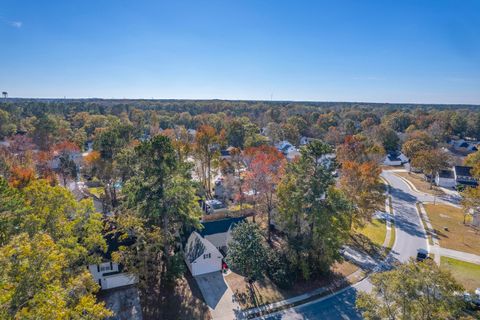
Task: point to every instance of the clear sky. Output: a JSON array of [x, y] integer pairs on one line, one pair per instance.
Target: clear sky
[[425, 51]]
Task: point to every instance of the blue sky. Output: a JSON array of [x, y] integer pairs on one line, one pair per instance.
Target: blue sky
[[424, 51]]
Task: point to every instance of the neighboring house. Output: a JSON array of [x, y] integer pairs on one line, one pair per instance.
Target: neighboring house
[[464, 146], [109, 275], [463, 176], [445, 178], [205, 249], [226, 153], [395, 159], [213, 207], [287, 149], [306, 140], [76, 156], [201, 256]]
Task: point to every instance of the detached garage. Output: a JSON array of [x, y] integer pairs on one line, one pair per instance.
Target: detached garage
[[201, 256]]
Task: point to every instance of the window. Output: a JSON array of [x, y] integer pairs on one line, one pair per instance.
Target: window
[[105, 268], [207, 256]]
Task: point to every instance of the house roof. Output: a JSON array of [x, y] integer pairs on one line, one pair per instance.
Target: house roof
[[195, 247], [219, 226], [446, 174], [393, 157], [463, 171]]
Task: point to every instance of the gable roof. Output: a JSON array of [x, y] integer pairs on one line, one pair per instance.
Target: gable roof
[[197, 246], [219, 226]]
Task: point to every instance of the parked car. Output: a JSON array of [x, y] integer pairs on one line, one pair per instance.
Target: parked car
[[422, 255]]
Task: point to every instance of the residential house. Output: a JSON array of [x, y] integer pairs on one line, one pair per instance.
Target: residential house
[[463, 176], [395, 159], [287, 149], [205, 249], [201, 256], [464, 146], [306, 140], [445, 178], [109, 275]]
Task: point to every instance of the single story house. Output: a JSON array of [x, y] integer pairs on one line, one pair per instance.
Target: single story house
[[445, 178], [463, 176], [205, 249], [395, 159], [463, 145], [109, 275]]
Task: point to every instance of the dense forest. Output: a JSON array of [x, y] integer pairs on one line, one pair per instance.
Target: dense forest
[[146, 164]]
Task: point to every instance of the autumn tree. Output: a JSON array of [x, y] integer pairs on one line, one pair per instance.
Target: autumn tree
[[264, 172], [431, 162], [206, 147], [362, 185], [47, 239], [412, 291]]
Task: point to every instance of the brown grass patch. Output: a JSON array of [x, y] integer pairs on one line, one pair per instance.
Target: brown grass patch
[[461, 237], [420, 183]]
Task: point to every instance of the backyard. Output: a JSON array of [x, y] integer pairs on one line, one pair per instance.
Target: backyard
[[447, 221]]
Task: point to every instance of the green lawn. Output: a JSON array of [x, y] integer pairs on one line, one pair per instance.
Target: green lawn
[[468, 274], [375, 231]]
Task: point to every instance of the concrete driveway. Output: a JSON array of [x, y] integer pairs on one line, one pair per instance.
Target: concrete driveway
[[218, 296]]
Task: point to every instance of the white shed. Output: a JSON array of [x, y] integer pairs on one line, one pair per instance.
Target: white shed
[[108, 275]]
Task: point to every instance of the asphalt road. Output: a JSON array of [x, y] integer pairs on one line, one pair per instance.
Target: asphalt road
[[410, 236]]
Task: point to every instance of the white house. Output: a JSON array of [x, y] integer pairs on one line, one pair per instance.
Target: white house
[[463, 145], [445, 179], [206, 248], [109, 276], [201, 256], [395, 159]]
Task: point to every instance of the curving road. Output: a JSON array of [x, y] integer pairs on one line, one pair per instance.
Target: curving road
[[410, 236]]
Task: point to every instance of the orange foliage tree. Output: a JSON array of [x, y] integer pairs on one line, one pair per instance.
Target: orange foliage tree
[[266, 166]]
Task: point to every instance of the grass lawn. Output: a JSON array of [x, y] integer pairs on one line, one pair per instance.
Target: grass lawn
[[267, 292], [375, 231], [419, 182], [468, 274], [459, 236]]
